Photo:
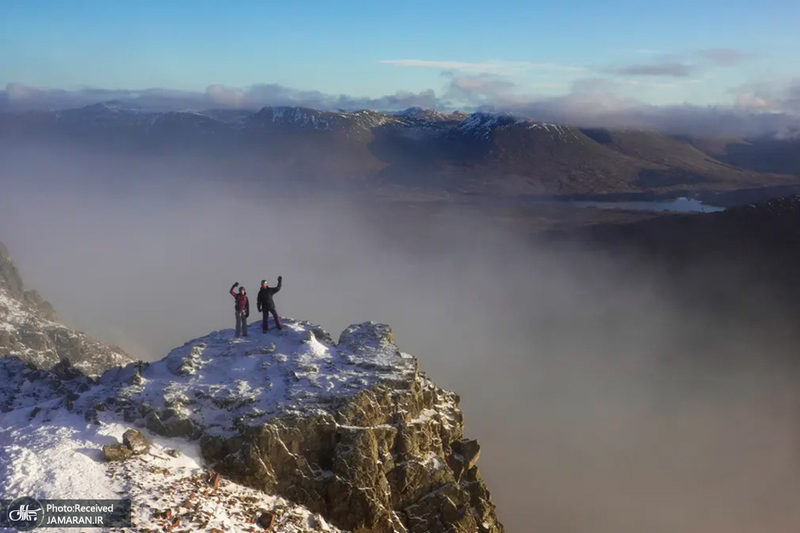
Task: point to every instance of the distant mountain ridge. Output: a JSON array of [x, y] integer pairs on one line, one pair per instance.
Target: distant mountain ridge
[[478, 153]]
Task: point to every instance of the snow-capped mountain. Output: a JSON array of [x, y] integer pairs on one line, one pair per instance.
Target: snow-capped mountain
[[356, 125], [419, 113], [490, 153], [30, 331], [315, 434]]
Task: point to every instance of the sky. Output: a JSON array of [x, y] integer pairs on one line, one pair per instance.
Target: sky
[[708, 52]]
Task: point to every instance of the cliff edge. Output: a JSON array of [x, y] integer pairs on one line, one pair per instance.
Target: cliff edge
[[348, 433], [352, 430]]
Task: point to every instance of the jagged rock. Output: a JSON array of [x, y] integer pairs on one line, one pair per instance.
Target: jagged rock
[[469, 450], [137, 442], [31, 332], [117, 452], [23, 385], [153, 422], [10, 280], [353, 431], [64, 370], [42, 306], [444, 510]]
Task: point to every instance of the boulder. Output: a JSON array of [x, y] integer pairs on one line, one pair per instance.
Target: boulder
[[137, 442], [117, 452]]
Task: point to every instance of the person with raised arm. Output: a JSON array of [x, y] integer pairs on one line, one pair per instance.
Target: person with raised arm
[[242, 308], [266, 304]]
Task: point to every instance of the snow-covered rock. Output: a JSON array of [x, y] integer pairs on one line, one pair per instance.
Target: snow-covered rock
[[431, 115], [57, 454], [29, 330], [348, 434], [482, 126]]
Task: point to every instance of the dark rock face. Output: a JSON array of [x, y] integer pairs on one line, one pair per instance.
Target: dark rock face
[[28, 330]]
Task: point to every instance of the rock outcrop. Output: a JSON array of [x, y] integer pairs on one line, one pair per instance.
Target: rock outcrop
[[353, 430], [22, 385], [30, 331]]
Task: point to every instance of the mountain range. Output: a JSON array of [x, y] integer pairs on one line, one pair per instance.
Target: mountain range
[[420, 150]]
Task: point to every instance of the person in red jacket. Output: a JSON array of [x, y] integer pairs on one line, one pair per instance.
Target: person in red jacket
[[242, 309]]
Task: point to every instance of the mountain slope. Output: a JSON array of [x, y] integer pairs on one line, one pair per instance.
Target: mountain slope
[[747, 256], [29, 330], [767, 154], [416, 149]]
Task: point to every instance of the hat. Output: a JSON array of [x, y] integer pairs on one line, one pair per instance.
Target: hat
[[263, 281]]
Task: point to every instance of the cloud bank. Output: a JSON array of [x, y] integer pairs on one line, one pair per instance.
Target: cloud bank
[[682, 65], [755, 109]]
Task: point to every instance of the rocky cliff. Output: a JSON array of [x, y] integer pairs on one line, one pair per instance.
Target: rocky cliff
[[345, 435], [29, 329], [351, 430]]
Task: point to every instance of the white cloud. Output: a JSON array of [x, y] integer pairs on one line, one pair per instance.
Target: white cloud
[[490, 67], [641, 83], [226, 96], [775, 97]]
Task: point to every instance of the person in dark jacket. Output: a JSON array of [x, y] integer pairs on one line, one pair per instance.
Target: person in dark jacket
[[266, 304], [242, 309]]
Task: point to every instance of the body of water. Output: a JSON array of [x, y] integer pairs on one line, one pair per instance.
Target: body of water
[[679, 205], [682, 205]]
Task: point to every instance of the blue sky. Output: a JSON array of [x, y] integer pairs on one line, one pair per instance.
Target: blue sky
[[702, 52]]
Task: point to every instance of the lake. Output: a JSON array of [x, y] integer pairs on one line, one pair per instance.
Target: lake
[[682, 205]]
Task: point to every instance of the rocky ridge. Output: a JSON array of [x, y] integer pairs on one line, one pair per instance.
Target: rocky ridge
[[351, 431], [30, 331]]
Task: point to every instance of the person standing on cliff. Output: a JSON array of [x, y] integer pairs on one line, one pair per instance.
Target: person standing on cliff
[[266, 304], [242, 307]]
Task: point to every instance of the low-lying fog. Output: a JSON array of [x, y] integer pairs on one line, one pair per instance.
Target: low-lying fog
[[602, 404]]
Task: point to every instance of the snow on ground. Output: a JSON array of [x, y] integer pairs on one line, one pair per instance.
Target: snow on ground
[[47, 451], [17, 318], [58, 455], [55, 455], [218, 379]]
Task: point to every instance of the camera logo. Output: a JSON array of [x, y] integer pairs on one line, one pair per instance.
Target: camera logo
[[25, 514]]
